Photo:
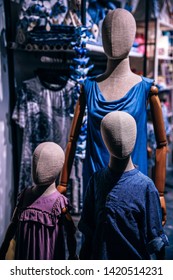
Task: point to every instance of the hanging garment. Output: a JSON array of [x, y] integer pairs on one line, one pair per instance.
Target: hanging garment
[[42, 22], [43, 111], [40, 234], [121, 217], [134, 103]]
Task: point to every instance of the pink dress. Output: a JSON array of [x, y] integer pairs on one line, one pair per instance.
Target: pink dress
[[40, 233]]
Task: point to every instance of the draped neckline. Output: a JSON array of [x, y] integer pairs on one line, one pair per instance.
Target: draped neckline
[[103, 99]]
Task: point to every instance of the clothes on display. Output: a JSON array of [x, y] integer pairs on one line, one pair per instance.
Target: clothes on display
[[113, 213], [165, 118], [98, 9], [151, 140], [44, 214], [76, 186], [41, 215], [38, 18], [121, 217], [133, 102], [76, 175], [50, 22], [44, 112]]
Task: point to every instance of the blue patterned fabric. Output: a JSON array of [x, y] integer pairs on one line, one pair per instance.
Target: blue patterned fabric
[[134, 103], [44, 112]]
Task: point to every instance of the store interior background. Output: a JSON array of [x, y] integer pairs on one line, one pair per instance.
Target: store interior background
[[151, 56]]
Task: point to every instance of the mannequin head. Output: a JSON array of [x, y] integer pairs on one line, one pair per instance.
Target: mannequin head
[[47, 162], [118, 33], [118, 130]]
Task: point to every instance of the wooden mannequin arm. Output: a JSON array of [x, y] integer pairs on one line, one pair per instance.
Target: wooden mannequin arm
[[160, 157], [71, 145]]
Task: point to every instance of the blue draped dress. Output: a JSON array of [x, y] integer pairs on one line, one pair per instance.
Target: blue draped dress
[[133, 102]]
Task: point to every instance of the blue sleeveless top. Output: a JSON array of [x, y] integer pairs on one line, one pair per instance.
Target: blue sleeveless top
[[133, 102]]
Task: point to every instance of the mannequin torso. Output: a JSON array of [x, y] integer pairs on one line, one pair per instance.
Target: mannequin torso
[[117, 80]]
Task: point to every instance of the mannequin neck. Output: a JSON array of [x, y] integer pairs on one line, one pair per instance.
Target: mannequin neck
[[117, 80], [44, 190], [121, 165], [116, 69]]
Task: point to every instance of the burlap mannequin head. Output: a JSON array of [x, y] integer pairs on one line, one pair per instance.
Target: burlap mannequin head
[[118, 130], [47, 162], [118, 33]]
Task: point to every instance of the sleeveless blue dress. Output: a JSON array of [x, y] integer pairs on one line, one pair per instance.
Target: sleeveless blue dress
[[133, 102]]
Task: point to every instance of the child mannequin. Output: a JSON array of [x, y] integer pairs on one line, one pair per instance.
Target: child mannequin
[[41, 212], [121, 216]]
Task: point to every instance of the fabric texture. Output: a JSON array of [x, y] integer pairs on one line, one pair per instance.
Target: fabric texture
[[118, 130], [116, 37], [40, 233], [122, 216], [134, 103], [47, 162], [43, 111]]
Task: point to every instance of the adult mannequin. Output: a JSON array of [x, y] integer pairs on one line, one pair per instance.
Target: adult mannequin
[[118, 89]]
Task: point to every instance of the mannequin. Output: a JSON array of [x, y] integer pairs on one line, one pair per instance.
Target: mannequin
[[41, 212], [118, 89], [121, 217]]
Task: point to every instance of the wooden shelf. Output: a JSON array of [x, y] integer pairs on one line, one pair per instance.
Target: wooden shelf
[[135, 54], [165, 57], [165, 26], [94, 48]]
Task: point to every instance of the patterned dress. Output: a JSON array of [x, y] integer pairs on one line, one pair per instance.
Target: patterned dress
[[43, 111]]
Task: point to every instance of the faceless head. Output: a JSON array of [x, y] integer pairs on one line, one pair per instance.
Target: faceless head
[[118, 33], [47, 162], [118, 130]]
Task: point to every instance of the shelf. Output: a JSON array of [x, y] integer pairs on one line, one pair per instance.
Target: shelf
[[94, 48], [135, 54], [165, 57], [166, 88], [40, 48], [165, 26], [99, 49]]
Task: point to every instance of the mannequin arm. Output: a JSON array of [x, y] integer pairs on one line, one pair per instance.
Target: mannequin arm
[[161, 150], [71, 145]]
